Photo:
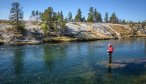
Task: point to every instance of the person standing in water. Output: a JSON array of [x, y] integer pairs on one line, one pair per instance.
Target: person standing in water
[[110, 51]]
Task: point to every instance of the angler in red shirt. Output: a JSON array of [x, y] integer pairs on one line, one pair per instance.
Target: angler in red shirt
[[110, 51]]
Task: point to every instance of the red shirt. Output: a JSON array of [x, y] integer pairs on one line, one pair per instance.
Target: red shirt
[[110, 49]]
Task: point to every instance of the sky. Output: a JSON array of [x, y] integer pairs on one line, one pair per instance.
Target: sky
[[130, 10]]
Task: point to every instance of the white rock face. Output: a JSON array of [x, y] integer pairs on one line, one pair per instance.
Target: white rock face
[[73, 28], [4, 26], [102, 29], [94, 28], [33, 34]]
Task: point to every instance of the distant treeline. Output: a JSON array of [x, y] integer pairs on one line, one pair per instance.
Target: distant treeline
[[93, 16], [55, 21]]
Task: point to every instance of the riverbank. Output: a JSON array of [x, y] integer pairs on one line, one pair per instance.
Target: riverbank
[[64, 39], [70, 39], [73, 32], [55, 40]]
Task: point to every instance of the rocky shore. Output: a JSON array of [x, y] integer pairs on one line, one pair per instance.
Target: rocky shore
[[74, 31]]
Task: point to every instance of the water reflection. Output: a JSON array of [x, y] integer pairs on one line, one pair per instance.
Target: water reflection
[[18, 61], [145, 46], [53, 54], [109, 71], [48, 57]]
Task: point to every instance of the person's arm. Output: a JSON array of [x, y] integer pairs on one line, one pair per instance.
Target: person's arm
[[108, 49]]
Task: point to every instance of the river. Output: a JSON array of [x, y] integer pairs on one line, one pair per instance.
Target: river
[[74, 63]]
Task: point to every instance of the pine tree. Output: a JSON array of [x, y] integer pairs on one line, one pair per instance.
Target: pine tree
[[33, 13], [78, 17], [54, 21], [54, 17], [47, 20], [69, 16], [99, 19], [16, 16], [61, 16], [90, 15], [106, 19], [83, 19], [37, 12], [37, 15], [114, 18], [123, 22], [95, 17]]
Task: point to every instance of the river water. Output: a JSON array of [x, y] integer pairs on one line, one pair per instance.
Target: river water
[[74, 63]]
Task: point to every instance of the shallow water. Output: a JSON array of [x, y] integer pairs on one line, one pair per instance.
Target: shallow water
[[74, 63]]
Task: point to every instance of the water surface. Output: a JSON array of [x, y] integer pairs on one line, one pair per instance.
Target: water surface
[[73, 63]]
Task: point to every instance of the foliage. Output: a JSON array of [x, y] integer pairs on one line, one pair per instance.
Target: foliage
[[44, 28], [47, 18], [52, 21], [114, 18], [123, 22], [106, 19], [70, 17], [90, 14], [83, 19], [16, 16], [78, 17], [36, 15], [94, 15], [97, 17]]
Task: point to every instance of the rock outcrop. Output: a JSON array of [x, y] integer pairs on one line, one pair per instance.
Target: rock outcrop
[[103, 30], [31, 35], [74, 31]]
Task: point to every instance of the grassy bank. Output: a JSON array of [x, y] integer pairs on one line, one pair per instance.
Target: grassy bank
[[63, 39], [70, 39], [138, 36]]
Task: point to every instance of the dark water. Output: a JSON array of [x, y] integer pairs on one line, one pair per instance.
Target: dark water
[[73, 63]]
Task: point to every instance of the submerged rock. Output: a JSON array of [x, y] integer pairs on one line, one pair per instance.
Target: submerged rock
[[123, 63]]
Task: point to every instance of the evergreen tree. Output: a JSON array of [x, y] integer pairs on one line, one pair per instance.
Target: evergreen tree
[[61, 16], [37, 15], [90, 15], [54, 17], [106, 19], [33, 13], [40, 15], [54, 21], [37, 12], [62, 21], [83, 19], [123, 22], [97, 16], [16, 16], [78, 17], [47, 20], [69, 16], [114, 18]]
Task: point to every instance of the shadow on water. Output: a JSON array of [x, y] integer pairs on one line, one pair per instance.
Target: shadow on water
[[109, 72], [48, 57], [18, 61], [52, 55]]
